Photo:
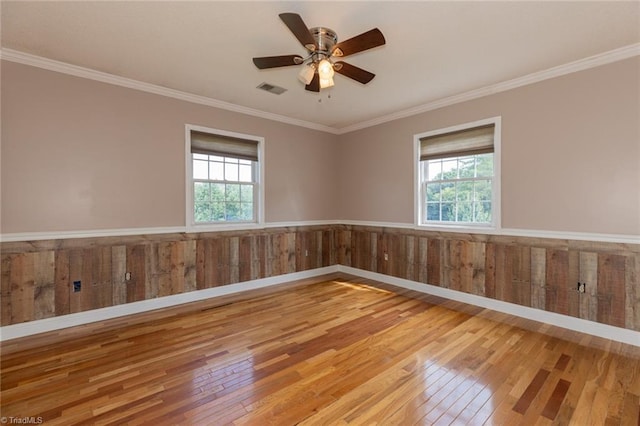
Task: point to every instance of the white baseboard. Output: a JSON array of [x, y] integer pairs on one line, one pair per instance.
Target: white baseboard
[[577, 324], [15, 331], [81, 318]]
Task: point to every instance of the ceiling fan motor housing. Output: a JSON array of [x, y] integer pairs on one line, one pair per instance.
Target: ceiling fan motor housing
[[325, 40]]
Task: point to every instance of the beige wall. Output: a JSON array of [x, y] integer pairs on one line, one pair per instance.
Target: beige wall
[[570, 155], [83, 155]]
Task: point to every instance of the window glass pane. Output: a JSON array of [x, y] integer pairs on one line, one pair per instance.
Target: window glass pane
[[216, 170], [464, 212], [466, 167], [245, 172], [232, 193], [482, 212], [433, 192], [200, 169], [202, 211], [201, 192], [448, 212], [217, 211], [232, 211], [247, 211], [484, 165], [200, 157], [433, 211], [434, 169], [450, 168], [216, 158], [464, 191], [217, 192], [245, 162], [482, 190], [246, 193], [231, 171], [449, 191]]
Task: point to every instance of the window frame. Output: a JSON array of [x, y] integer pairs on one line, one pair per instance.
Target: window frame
[[495, 223], [190, 222]]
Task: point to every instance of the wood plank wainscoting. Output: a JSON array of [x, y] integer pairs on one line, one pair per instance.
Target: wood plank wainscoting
[[38, 276]]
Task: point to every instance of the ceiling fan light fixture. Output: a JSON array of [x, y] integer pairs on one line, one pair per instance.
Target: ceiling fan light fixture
[[326, 82], [306, 74], [325, 70]]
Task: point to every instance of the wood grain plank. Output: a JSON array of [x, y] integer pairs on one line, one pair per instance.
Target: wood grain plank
[[538, 277], [201, 264], [477, 266], [245, 257], [234, 260], [102, 283], [632, 289], [519, 261], [5, 289], [370, 253], [329, 249], [491, 271], [290, 252], [452, 260], [555, 401], [573, 277], [503, 274], [136, 264], [44, 284], [119, 274], [434, 262], [589, 276], [611, 289], [557, 276], [422, 259]]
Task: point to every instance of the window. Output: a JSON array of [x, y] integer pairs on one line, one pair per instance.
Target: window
[[457, 175], [223, 177]]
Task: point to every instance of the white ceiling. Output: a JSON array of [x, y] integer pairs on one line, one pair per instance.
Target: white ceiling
[[434, 50]]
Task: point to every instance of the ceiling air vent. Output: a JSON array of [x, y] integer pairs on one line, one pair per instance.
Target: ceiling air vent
[[276, 90]]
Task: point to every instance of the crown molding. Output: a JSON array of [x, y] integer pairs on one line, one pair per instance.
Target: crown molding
[[103, 77], [611, 56], [571, 67]]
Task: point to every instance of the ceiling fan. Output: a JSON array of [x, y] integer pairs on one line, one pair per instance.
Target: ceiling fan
[[322, 46]]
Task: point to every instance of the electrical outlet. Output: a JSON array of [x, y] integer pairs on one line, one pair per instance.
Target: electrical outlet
[[306, 253], [582, 287], [386, 256], [77, 286], [127, 276]]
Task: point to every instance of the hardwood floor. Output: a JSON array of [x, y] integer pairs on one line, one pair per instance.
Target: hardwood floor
[[344, 351]]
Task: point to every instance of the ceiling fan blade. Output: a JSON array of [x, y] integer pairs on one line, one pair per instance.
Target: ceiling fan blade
[[314, 86], [351, 71], [370, 39], [299, 29], [277, 61]]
